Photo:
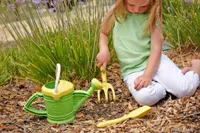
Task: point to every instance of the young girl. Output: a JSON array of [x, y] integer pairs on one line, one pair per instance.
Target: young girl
[[137, 34]]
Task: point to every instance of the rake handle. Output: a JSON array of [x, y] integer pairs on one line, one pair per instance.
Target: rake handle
[[103, 75]]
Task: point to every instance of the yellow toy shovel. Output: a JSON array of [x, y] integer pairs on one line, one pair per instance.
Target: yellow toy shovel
[[134, 114], [106, 87]]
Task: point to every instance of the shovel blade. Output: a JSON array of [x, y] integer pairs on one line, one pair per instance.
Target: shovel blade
[[139, 112]]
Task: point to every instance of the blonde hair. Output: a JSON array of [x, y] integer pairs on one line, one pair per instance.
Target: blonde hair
[[119, 11]]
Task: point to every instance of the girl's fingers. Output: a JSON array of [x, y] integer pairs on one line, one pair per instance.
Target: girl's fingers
[[140, 85], [104, 67], [99, 64], [185, 70], [146, 84], [137, 82]]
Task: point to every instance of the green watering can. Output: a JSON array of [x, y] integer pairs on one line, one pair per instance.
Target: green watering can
[[60, 99]]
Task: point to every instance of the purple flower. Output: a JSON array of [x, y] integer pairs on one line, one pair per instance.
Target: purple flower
[[11, 7], [36, 1], [186, 1], [25, 33], [45, 1], [52, 4], [20, 1], [31, 86], [51, 10], [81, 3], [1, 37], [65, 23], [169, 9]]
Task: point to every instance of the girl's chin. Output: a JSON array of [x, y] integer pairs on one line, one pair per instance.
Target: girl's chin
[[135, 12]]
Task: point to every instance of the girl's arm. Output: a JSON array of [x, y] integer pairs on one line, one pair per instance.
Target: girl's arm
[[103, 56], [154, 59]]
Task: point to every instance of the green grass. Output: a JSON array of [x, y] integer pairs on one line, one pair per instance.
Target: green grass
[[5, 72]]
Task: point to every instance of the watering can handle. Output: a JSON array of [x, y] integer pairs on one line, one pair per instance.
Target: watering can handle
[[58, 69], [28, 108]]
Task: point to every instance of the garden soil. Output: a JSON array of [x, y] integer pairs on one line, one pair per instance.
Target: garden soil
[[169, 115]]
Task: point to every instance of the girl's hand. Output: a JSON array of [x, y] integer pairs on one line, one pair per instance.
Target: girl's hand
[[142, 82], [103, 58]]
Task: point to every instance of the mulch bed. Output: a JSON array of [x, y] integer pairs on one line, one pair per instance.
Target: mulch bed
[[169, 115]]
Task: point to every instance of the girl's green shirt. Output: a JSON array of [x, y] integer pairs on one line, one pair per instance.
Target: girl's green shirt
[[131, 45]]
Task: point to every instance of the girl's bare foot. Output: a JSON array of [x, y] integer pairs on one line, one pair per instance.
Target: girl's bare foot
[[185, 70], [195, 66]]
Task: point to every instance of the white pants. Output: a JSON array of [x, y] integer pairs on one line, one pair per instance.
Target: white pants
[[168, 77]]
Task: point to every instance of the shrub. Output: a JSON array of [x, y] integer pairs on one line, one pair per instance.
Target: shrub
[[69, 38]]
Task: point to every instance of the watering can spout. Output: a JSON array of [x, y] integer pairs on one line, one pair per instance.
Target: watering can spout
[[80, 96]]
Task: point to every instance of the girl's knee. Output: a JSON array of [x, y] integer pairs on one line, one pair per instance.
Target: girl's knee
[[146, 101], [151, 96]]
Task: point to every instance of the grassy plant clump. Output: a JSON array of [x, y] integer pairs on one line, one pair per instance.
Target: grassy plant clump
[[5, 71], [182, 21], [69, 38]]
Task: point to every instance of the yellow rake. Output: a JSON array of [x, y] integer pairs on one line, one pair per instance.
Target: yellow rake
[[106, 87]]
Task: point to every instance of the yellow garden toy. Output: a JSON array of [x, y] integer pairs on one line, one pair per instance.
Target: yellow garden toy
[[134, 114], [106, 87]]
